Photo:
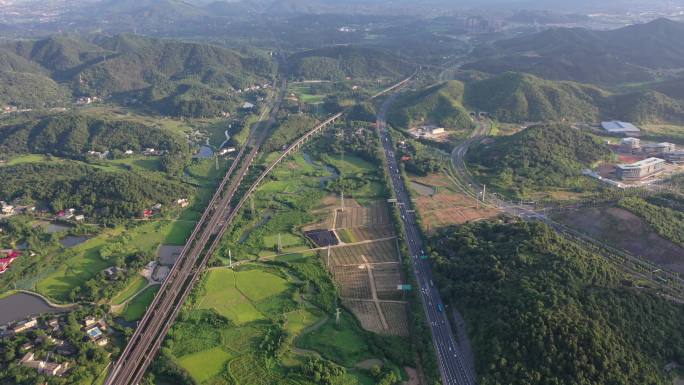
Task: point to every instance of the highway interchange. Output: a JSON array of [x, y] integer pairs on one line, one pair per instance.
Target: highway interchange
[[452, 364]]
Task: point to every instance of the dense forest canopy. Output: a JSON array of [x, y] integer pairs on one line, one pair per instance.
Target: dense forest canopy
[[73, 135], [337, 63], [441, 105], [515, 97], [541, 310], [539, 157], [96, 193], [175, 78]]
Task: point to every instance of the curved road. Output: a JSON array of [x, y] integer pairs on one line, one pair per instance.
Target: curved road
[[669, 281]]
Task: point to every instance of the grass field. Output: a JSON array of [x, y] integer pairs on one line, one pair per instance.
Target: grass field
[[223, 297], [30, 158], [86, 262], [286, 240], [232, 294], [205, 364], [349, 165], [258, 285], [346, 345], [306, 94], [135, 309], [132, 289]]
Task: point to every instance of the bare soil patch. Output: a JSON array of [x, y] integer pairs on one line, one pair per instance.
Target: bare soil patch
[[627, 231], [446, 206]]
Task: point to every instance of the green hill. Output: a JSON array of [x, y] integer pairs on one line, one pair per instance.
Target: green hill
[[644, 107], [173, 77], [28, 90], [514, 97], [440, 104], [337, 63], [538, 158], [588, 56], [58, 54], [73, 135], [145, 61], [542, 310], [100, 194]]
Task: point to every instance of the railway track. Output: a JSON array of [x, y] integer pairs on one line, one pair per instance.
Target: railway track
[[154, 325], [204, 240]]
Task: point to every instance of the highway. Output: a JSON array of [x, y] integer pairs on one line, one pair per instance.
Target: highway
[[452, 365]]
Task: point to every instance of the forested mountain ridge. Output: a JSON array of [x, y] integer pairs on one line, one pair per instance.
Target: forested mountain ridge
[[73, 135], [96, 193], [541, 310], [339, 62], [588, 56], [537, 158], [441, 104], [515, 97], [162, 74]]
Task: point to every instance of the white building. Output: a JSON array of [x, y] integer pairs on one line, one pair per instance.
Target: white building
[[630, 143], [640, 170], [658, 148]]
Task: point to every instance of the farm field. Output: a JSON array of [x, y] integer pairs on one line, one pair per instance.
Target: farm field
[[226, 295], [372, 215], [306, 94], [235, 313], [205, 364], [446, 206], [368, 252]]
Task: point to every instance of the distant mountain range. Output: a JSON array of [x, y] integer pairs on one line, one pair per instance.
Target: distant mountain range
[[164, 74], [517, 98], [625, 55]]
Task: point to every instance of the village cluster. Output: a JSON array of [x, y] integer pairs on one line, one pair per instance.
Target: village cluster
[[45, 346]]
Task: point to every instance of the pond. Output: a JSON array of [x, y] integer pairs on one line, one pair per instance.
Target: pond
[[324, 179], [205, 152], [20, 306], [73, 240], [56, 228]]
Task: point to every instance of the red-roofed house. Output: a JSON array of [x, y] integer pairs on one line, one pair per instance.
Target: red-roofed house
[[6, 259]]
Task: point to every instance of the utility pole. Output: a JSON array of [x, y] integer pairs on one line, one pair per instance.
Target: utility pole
[[327, 263], [280, 244], [216, 159], [337, 317], [484, 192], [342, 200], [230, 259]]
